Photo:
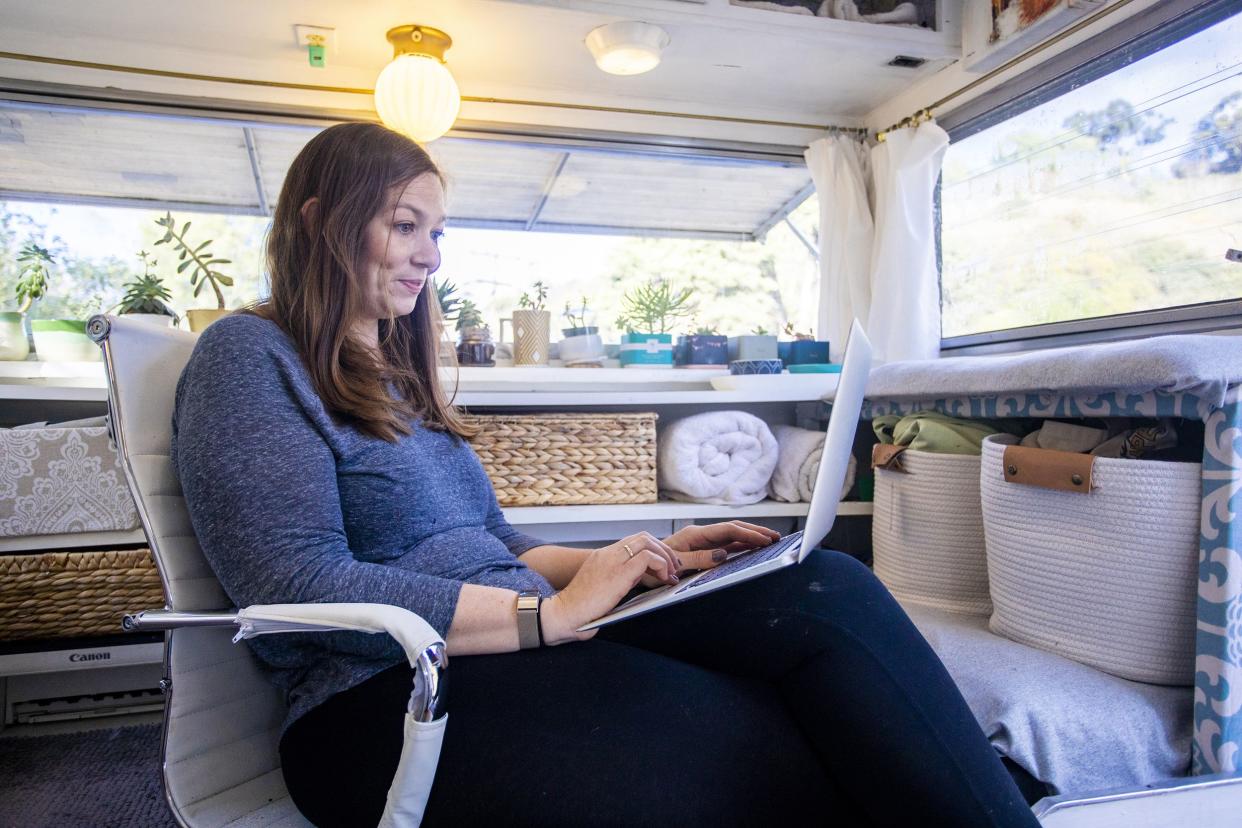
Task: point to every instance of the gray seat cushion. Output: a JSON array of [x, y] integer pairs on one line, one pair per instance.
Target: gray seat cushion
[[1067, 724]]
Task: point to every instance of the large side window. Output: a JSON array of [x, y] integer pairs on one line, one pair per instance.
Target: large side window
[[589, 216], [1119, 196]]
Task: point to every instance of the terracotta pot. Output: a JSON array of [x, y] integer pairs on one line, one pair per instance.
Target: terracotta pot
[[199, 318]]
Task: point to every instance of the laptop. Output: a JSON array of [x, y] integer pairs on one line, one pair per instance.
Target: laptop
[[793, 548]]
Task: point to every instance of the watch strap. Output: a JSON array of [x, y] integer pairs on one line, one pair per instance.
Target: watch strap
[[530, 636]]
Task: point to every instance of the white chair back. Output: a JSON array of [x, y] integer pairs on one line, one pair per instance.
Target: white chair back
[[223, 717]]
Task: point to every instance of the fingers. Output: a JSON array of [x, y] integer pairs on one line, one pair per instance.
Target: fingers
[[667, 572], [702, 558], [649, 562], [736, 531]]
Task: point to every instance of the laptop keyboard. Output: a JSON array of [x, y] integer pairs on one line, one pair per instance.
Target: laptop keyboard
[[745, 560]]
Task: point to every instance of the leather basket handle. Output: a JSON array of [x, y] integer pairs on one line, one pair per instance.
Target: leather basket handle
[[887, 456], [1063, 471]]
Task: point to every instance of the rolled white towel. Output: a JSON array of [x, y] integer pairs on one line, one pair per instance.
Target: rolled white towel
[[800, 452], [721, 457]]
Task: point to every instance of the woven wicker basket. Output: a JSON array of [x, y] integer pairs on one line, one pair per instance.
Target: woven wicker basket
[[569, 459], [67, 594]]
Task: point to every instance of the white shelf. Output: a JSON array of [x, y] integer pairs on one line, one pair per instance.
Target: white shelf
[[41, 543], [666, 510]]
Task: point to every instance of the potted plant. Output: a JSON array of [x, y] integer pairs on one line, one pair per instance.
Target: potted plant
[[582, 344], [55, 340], [804, 349], [531, 324], [474, 347], [145, 297], [758, 344], [201, 263], [647, 313], [31, 286], [705, 348]]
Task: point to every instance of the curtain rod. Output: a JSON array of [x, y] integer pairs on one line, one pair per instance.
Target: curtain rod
[[163, 73], [925, 114]]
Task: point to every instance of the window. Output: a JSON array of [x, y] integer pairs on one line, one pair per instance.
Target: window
[[1121, 195], [586, 216]]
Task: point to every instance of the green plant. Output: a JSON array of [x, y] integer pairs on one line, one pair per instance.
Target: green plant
[[199, 258], [705, 330], [146, 293], [469, 315], [789, 330], [579, 319], [538, 302], [654, 307], [34, 276], [450, 305], [760, 331]]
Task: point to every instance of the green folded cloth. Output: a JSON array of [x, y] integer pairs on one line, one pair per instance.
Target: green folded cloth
[[939, 433]]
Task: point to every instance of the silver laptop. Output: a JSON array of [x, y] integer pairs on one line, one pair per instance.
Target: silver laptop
[[793, 548]]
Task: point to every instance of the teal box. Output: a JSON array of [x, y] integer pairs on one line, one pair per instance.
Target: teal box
[[640, 350]]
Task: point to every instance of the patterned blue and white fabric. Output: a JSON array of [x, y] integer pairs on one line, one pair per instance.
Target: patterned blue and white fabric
[[1218, 645]]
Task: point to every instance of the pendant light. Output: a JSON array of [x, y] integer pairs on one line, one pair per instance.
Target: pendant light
[[415, 94]]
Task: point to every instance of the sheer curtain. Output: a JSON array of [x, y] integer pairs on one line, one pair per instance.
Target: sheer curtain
[[905, 312], [841, 169], [877, 254]]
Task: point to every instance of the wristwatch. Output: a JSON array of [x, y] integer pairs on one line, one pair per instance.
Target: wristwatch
[[530, 634]]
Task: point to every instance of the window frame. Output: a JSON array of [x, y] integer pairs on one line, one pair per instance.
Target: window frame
[[1142, 35]]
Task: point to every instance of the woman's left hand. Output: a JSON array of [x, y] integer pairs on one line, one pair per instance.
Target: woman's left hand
[[702, 547]]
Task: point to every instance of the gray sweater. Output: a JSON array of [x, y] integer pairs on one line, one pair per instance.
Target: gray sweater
[[292, 507]]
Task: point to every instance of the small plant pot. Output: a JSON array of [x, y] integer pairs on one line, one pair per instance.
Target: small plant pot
[[13, 343], [784, 352], [530, 336], [640, 350], [747, 367], [807, 351], [752, 346], [159, 320], [701, 350], [582, 348], [586, 331], [63, 340], [475, 349], [199, 318]]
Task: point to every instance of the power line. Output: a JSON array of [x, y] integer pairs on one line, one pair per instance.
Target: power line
[[1065, 137]]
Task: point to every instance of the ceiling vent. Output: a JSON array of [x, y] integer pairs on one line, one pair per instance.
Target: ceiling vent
[[907, 62]]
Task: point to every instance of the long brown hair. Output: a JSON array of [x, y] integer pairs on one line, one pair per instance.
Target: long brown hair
[[315, 263]]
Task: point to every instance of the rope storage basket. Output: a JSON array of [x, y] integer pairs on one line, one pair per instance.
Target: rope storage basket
[[1095, 559], [927, 532], [568, 459], [68, 594]]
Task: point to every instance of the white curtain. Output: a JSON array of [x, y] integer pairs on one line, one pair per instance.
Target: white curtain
[[904, 322], [877, 252], [841, 170]]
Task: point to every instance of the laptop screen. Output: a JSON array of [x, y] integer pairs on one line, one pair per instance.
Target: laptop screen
[[839, 444]]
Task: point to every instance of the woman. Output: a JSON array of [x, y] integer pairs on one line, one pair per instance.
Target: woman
[[320, 462]]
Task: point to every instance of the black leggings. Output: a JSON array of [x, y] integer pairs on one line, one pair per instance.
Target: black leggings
[[802, 697]]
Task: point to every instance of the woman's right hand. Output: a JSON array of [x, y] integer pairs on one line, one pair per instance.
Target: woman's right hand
[[602, 581]]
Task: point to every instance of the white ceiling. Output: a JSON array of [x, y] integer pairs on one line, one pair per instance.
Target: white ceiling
[[722, 60]]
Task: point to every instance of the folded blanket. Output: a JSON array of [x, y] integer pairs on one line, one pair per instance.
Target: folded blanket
[[721, 457], [1195, 363], [800, 452], [939, 433]]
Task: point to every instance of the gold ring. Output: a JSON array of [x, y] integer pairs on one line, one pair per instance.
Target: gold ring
[[631, 552]]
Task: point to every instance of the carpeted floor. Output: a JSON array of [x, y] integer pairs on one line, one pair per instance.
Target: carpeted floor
[[94, 779]]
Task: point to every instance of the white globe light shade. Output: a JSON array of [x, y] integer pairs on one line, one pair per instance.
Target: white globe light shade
[[627, 47], [416, 95]]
